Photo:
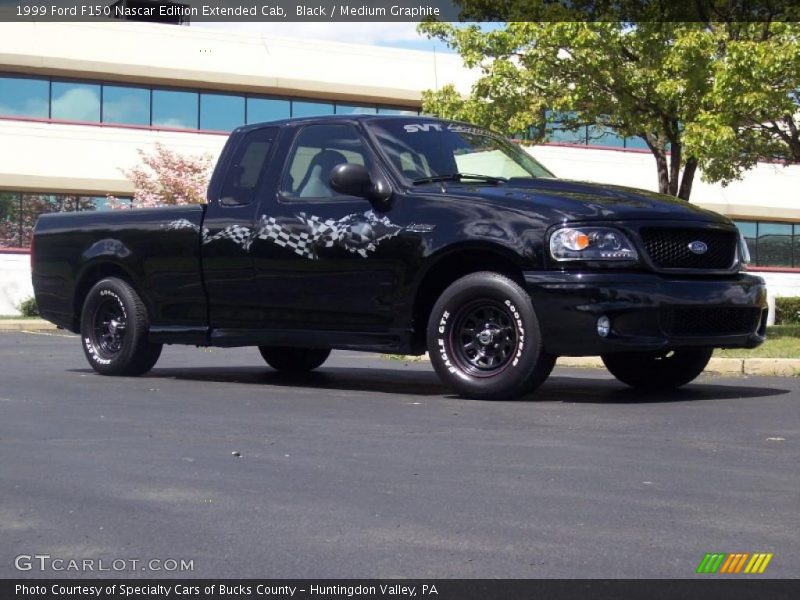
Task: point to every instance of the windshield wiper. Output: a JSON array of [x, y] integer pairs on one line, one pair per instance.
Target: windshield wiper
[[459, 177]]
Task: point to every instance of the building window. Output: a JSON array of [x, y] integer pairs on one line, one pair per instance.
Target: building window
[[302, 108], [386, 110], [176, 110], [602, 135], [221, 112], [23, 97], [352, 109], [19, 211], [775, 244], [93, 101], [261, 110], [771, 244], [75, 101], [126, 105]]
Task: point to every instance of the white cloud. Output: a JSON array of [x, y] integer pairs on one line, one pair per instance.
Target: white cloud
[[359, 33]]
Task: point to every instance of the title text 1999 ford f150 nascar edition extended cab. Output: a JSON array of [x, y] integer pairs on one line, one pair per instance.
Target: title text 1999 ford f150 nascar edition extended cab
[[404, 234]]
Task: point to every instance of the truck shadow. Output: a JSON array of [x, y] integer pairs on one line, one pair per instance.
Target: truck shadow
[[423, 382]]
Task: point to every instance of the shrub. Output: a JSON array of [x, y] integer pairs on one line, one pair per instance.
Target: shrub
[[28, 307], [787, 310]]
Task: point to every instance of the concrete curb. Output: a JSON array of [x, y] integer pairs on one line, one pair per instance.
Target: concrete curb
[[26, 325], [774, 367]]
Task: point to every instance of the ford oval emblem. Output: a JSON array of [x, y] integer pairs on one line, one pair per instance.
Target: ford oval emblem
[[698, 247]]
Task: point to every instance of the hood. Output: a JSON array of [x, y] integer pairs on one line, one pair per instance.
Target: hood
[[577, 201]]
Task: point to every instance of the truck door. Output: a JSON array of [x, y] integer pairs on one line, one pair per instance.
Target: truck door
[[324, 260], [229, 229]]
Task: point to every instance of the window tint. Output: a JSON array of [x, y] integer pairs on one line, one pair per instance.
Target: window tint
[[317, 150], [749, 231], [175, 109], [302, 108], [75, 101], [246, 167], [10, 234], [221, 112], [24, 97], [775, 244], [352, 109], [128, 105], [19, 211], [260, 110]]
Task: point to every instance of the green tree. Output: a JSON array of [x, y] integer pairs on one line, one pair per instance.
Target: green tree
[[717, 96]]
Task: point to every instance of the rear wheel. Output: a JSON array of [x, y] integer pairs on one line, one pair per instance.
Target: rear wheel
[[484, 339], [662, 370], [294, 360], [114, 328]]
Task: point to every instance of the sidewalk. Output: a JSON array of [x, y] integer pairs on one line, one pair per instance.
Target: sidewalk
[[26, 325], [771, 367]]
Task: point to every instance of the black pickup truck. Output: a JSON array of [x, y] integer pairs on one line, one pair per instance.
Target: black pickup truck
[[401, 235]]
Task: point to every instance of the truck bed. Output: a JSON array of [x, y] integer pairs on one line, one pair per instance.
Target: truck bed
[[157, 249]]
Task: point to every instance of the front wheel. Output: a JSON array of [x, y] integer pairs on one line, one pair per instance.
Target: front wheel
[[662, 370], [294, 360], [484, 338], [114, 328]]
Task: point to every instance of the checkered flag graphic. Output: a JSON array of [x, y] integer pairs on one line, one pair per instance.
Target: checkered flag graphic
[[301, 243], [180, 224], [357, 233], [238, 234]]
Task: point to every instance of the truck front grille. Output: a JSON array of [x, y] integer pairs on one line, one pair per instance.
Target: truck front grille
[[668, 248], [709, 320]]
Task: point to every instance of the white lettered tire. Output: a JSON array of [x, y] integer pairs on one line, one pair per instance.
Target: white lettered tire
[[114, 328], [484, 339]]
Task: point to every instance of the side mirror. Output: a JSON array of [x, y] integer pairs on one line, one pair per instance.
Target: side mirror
[[354, 180]]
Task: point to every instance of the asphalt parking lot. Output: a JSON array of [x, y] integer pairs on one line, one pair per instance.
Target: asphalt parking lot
[[370, 468]]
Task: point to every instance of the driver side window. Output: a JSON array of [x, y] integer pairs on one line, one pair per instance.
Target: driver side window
[[318, 149]]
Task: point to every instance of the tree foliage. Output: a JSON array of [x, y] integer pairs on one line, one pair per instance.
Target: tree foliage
[[718, 96], [167, 178]]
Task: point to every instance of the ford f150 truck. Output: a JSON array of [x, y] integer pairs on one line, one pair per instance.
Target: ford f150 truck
[[401, 235]]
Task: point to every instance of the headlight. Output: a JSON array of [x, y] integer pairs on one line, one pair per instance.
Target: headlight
[[591, 243], [744, 251]]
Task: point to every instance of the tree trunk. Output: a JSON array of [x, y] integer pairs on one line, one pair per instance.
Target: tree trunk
[[674, 167], [663, 171], [688, 178]]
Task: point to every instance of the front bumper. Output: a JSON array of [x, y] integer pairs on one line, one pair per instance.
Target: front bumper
[[647, 311]]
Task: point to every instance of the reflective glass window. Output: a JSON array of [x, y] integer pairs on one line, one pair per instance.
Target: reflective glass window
[[247, 167], [221, 112], [302, 108], [260, 110], [10, 233], [20, 96], [352, 109], [126, 105], [600, 135], [75, 101], [636, 143], [384, 110], [775, 244], [175, 109]]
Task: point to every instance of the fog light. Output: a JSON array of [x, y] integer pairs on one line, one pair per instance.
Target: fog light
[[603, 326]]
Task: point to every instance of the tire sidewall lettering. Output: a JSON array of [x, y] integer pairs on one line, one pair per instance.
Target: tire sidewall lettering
[[87, 341], [443, 330]]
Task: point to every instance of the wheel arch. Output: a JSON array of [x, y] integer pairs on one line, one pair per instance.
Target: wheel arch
[[452, 264], [88, 277]]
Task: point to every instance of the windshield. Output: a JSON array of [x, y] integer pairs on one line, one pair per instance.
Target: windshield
[[423, 151]]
